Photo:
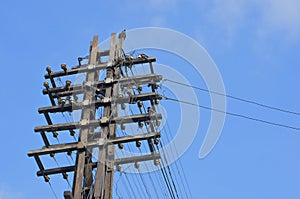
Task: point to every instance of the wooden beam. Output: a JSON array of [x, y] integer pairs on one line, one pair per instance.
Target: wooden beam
[[61, 148], [134, 159], [45, 139], [83, 175], [143, 158], [79, 88], [58, 148], [91, 68], [77, 106], [95, 123], [101, 168]]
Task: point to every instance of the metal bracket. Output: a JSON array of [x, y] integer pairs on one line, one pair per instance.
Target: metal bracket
[[85, 102], [81, 145], [108, 80], [109, 64], [83, 122], [103, 120], [106, 99], [91, 66], [88, 83]]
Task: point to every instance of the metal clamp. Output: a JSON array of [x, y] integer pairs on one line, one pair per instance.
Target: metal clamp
[[108, 80], [106, 99], [91, 66], [103, 120], [83, 122]]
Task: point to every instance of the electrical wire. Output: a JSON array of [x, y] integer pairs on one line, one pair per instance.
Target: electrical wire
[[55, 195], [235, 98], [180, 165], [235, 114], [178, 161], [170, 183]]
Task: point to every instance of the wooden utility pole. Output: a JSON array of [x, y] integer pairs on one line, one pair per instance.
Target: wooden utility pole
[[98, 94]]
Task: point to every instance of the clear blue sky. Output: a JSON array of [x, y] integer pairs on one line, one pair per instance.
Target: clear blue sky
[[255, 44]]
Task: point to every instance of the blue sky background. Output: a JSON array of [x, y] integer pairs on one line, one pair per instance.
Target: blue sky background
[[255, 44]]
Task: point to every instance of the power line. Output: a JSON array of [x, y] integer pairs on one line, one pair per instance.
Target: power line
[[235, 114], [55, 195], [184, 180], [236, 98]]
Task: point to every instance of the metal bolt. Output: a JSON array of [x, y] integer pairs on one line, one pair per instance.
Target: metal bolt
[[48, 69], [55, 134], [46, 84], [123, 106], [123, 127], [140, 89], [68, 83], [47, 178], [140, 104], [140, 124], [65, 175], [136, 165], [138, 144], [72, 132], [121, 146], [156, 162], [64, 67], [118, 167]]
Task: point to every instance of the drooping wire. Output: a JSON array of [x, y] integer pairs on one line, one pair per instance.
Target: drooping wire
[[235, 98], [178, 161], [234, 114], [168, 182], [140, 149], [116, 185], [55, 195], [184, 181]]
